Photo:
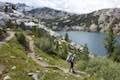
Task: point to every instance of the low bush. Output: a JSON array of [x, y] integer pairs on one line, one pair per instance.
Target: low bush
[[45, 43], [102, 68], [22, 39]]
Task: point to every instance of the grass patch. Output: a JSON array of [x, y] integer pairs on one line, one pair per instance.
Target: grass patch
[[13, 54], [52, 59]]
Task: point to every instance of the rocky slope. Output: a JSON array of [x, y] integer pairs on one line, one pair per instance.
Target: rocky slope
[[47, 13], [23, 7], [12, 14], [96, 21]]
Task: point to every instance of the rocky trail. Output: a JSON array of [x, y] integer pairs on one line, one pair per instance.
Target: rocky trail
[[9, 37], [42, 63]]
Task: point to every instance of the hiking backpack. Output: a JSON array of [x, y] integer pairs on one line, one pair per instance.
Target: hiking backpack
[[69, 58]]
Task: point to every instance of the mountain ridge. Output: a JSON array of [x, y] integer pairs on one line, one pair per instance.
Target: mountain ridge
[[97, 21]]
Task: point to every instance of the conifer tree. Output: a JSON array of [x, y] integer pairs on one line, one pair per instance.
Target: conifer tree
[[67, 37], [116, 53], [5, 8], [110, 42]]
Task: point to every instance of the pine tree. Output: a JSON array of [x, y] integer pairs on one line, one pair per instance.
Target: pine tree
[[51, 43], [116, 53], [67, 37], [6, 9], [110, 42], [57, 46], [22, 25], [35, 30], [10, 24]]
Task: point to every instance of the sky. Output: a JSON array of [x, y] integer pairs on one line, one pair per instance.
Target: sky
[[75, 6]]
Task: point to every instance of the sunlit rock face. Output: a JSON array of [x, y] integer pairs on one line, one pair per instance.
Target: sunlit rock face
[[98, 21]]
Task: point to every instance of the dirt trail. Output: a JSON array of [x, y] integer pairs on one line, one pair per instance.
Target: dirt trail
[[32, 54], [11, 35], [42, 63]]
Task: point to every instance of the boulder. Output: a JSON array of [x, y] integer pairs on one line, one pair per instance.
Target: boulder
[[7, 77], [35, 75], [13, 68], [2, 69]]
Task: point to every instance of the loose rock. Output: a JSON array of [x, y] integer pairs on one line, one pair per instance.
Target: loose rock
[[7, 77], [35, 75], [2, 68]]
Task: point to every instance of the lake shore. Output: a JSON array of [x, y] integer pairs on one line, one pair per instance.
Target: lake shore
[[94, 40]]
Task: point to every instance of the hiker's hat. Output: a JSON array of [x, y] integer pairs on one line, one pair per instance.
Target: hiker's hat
[[69, 53]]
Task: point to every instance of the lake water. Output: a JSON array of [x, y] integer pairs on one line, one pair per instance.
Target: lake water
[[94, 41]]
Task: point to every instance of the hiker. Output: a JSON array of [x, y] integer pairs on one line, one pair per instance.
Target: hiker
[[70, 59]]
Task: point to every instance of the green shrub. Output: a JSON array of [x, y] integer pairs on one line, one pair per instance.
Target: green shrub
[[22, 39], [48, 45], [102, 68], [84, 55], [116, 54], [45, 43], [63, 50], [38, 32]]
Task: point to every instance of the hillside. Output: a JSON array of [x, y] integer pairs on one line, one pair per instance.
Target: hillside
[[47, 13], [16, 65]]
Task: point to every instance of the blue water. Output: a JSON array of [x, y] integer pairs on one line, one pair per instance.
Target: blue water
[[94, 41]]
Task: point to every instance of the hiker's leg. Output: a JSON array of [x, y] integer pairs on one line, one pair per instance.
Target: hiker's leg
[[72, 67]]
